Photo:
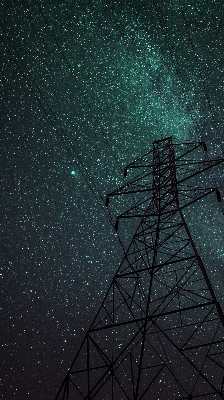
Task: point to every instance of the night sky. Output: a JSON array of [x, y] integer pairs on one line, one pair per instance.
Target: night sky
[[87, 86]]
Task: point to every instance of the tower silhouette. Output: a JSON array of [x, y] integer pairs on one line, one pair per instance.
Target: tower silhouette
[[159, 332]]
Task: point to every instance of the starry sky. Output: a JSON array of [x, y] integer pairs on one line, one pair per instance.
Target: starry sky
[[87, 86]]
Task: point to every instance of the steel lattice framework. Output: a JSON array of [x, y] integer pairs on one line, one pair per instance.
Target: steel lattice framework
[[159, 332]]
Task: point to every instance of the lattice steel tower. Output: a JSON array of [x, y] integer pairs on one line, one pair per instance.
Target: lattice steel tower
[[159, 332]]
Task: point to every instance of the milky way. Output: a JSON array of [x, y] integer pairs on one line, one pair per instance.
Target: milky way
[[87, 87]]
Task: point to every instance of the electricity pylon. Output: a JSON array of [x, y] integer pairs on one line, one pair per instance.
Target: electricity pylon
[[159, 332]]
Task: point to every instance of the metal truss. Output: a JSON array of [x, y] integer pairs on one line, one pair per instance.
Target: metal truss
[[159, 332]]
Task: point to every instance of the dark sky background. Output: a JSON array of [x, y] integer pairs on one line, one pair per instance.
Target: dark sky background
[[87, 86]]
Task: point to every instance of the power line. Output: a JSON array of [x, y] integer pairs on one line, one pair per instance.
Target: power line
[[45, 106]]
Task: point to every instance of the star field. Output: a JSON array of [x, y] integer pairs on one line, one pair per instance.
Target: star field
[[86, 88]]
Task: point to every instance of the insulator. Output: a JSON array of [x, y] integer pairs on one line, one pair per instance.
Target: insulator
[[125, 172], [116, 225], [107, 201], [218, 195]]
